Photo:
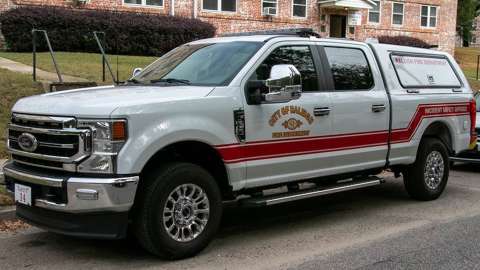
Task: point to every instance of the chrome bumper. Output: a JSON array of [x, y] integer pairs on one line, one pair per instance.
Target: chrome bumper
[[84, 194]]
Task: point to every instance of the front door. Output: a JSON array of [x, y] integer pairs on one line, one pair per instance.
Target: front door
[[338, 26], [282, 138]]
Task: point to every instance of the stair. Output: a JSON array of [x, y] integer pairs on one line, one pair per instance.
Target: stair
[[310, 192]]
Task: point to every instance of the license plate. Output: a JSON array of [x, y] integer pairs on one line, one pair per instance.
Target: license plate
[[23, 194]]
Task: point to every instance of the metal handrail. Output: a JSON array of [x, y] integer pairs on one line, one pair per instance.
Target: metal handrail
[[34, 42], [104, 57]]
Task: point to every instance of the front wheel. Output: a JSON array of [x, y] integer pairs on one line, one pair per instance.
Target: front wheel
[[179, 211], [427, 178]]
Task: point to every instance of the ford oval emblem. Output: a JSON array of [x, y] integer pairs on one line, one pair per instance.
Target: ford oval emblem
[[27, 142]]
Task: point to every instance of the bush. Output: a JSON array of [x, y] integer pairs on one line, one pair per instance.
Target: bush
[[126, 32], [404, 41]]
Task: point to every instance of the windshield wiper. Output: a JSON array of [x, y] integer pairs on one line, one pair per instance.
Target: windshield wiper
[[135, 81], [171, 80]]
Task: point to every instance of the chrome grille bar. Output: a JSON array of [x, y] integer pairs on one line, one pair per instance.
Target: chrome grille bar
[[61, 146], [52, 145]]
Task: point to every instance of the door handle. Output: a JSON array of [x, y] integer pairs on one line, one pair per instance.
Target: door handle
[[413, 91], [321, 111], [378, 108]]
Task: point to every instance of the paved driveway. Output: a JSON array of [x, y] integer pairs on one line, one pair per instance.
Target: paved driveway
[[379, 227]]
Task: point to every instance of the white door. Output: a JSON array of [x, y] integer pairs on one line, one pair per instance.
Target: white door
[[283, 139], [360, 108]]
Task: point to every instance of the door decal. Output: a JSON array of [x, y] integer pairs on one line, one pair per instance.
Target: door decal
[[258, 150], [291, 122]]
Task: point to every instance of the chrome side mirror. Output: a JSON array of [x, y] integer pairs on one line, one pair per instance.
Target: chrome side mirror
[[136, 71], [284, 84]]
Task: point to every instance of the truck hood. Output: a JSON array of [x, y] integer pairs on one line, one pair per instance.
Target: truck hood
[[102, 101]]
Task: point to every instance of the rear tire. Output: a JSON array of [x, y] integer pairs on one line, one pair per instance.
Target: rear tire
[[179, 211], [426, 179]]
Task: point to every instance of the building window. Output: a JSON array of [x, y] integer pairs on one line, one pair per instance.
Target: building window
[[299, 8], [397, 13], [149, 3], [269, 7], [220, 5], [429, 16], [374, 13]]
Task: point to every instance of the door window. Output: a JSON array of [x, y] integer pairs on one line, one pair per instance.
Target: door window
[[350, 69], [299, 56]]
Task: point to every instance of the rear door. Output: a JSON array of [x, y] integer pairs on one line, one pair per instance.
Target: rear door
[[360, 107]]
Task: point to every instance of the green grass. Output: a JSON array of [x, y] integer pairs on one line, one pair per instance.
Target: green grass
[[4, 198], [12, 87], [83, 65], [467, 58]]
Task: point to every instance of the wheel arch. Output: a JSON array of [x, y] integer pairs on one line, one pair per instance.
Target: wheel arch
[[442, 131], [195, 152]]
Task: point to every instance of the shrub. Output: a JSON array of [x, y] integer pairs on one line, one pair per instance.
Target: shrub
[[126, 32], [404, 41]]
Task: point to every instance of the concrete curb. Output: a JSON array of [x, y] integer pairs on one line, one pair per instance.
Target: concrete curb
[[7, 213]]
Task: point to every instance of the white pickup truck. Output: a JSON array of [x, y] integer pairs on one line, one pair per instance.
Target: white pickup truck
[[230, 118]]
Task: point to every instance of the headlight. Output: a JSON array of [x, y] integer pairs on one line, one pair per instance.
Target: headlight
[[108, 138]]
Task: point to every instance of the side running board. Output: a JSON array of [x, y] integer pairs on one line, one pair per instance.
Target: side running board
[[310, 193]]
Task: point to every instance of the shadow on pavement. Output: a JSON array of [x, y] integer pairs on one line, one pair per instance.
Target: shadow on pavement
[[237, 222], [466, 167]]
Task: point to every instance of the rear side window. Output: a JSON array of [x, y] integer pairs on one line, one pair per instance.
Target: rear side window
[[424, 71], [349, 68]]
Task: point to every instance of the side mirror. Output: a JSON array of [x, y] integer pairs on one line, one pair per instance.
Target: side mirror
[[136, 71], [284, 84]]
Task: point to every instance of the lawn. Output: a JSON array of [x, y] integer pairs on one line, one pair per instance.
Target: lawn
[[467, 58], [4, 198], [83, 65], [13, 87]]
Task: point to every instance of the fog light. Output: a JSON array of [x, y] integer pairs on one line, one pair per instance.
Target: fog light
[[87, 194]]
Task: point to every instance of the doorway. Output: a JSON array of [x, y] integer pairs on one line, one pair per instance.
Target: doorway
[[338, 26]]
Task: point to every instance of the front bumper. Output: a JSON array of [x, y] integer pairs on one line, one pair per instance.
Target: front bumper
[[68, 204]]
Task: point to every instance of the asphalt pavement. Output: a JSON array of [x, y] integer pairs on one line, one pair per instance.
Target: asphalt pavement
[[374, 228]]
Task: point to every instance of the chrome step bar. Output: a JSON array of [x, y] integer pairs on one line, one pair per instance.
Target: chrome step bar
[[310, 193]]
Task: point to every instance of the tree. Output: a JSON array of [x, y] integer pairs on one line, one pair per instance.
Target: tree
[[466, 13]]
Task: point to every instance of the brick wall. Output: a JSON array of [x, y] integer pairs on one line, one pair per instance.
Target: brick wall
[[248, 17], [476, 33], [444, 35]]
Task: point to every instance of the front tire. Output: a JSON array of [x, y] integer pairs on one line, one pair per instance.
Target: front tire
[[426, 179], [179, 211]]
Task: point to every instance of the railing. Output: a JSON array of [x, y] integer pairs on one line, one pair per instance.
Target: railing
[[34, 42]]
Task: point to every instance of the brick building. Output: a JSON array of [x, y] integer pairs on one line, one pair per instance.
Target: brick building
[[430, 20], [475, 42]]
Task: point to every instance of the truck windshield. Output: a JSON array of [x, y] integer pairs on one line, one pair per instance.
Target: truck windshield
[[211, 64]]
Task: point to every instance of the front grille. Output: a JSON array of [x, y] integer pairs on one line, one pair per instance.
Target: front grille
[[48, 144], [57, 143], [38, 162]]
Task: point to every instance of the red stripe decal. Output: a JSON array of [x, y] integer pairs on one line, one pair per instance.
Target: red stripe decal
[[233, 153]]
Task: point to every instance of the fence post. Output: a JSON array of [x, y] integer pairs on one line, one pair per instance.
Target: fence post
[[478, 64], [34, 56]]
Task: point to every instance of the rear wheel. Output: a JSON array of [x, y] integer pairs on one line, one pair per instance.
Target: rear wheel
[[427, 178], [179, 211]]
